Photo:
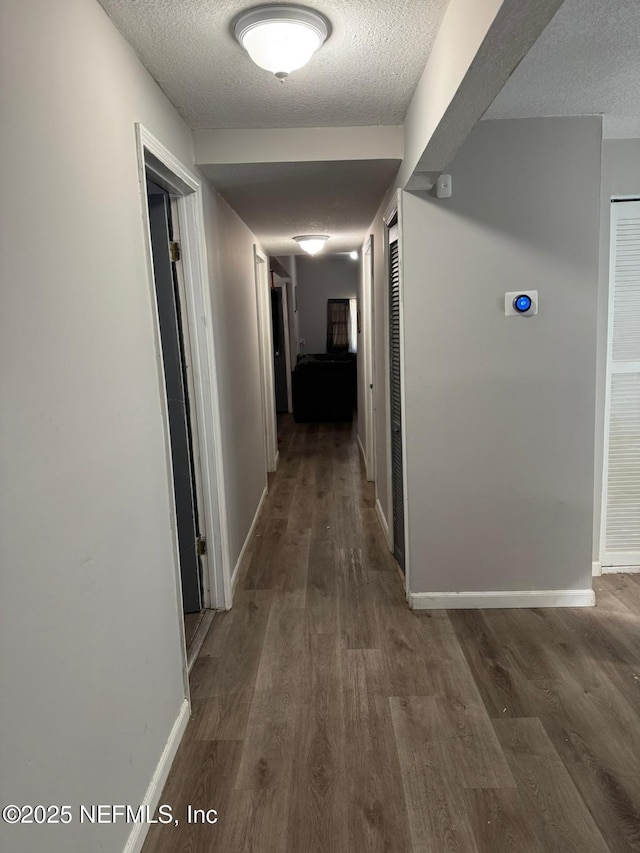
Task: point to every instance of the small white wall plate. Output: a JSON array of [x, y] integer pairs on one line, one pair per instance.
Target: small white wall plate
[[443, 186]]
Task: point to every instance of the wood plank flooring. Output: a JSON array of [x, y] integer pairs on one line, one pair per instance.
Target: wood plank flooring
[[329, 718]]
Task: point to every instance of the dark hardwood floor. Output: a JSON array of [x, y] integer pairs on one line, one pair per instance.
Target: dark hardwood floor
[[329, 718]]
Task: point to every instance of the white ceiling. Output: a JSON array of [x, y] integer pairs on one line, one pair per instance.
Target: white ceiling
[[586, 62], [281, 200], [365, 74]]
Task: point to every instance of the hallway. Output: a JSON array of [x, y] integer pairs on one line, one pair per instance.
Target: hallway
[[329, 718]]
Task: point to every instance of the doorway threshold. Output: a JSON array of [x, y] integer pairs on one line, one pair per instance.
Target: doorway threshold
[[197, 627]]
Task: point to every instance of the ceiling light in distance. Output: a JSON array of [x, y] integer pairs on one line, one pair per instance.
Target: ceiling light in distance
[[353, 256], [311, 243], [281, 39]]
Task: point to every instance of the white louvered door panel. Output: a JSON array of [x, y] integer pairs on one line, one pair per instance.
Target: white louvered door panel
[[395, 369], [621, 494]]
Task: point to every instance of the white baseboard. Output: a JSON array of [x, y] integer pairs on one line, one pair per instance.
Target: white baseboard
[[614, 570], [154, 791], [502, 599], [236, 571], [363, 453], [383, 523], [596, 569]]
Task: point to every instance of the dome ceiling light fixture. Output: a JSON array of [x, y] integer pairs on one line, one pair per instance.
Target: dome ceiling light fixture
[[281, 39], [311, 243]]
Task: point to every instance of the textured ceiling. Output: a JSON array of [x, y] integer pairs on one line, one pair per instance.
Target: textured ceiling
[[587, 61], [365, 74], [281, 200]]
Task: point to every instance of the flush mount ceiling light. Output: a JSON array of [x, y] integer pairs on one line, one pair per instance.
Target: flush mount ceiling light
[[281, 39], [311, 243]]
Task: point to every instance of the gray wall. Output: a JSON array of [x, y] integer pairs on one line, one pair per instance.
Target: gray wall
[[319, 279], [92, 674], [90, 639], [620, 176], [233, 299], [500, 411]]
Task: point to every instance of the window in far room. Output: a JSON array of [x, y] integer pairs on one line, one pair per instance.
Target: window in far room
[[342, 324]]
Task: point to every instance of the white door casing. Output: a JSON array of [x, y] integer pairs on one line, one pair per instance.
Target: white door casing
[[620, 531], [285, 288], [368, 326], [394, 212], [265, 345], [156, 161]]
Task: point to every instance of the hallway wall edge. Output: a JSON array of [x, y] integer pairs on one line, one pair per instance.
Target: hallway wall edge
[[236, 572]]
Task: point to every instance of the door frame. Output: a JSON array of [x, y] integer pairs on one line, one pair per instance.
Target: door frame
[[632, 561], [368, 329], [157, 162], [191, 389], [170, 300], [394, 209], [283, 285], [265, 347]]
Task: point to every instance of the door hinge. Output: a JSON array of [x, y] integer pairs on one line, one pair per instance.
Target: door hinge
[[174, 251], [202, 546]]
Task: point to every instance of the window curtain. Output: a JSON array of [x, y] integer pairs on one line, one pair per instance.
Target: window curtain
[[338, 316], [353, 325]]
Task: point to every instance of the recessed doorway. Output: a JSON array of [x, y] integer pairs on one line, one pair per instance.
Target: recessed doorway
[[165, 249], [172, 211]]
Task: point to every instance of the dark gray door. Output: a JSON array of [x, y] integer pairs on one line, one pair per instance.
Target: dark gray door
[[279, 354], [396, 398], [178, 405]]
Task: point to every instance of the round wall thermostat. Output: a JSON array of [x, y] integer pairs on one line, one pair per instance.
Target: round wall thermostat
[[522, 303]]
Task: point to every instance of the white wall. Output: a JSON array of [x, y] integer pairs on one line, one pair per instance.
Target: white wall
[[233, 297], [500, 411], [620, 176], [90, 640], [298, 144], [477, 49], [319, 279], [464, 27]]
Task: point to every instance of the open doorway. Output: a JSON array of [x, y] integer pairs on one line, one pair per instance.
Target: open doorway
[[282, 356], [266, 348], [166, 258], [324, 381], [174, 221]]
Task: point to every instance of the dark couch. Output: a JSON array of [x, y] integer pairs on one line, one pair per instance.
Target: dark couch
[[324, 387]]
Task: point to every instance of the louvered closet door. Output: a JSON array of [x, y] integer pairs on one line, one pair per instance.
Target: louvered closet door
[[621, 522], [396, 406]]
